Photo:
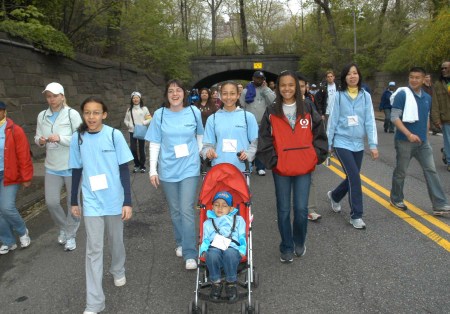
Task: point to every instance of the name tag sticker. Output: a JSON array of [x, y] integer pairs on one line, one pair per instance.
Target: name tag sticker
[[221, 242], [181, 150], [352, 120], [229, 146], [98, 182]]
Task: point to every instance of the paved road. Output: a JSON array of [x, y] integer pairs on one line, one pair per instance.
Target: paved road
[[399, 264]]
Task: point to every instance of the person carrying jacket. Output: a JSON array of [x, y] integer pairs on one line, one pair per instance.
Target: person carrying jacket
[[16, 168]]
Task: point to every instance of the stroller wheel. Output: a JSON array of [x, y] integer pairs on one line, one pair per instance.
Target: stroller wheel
[[253, 309], [195, 309], [444, 157]]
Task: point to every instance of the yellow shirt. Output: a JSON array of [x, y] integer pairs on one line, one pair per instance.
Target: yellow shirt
[[352, 92]]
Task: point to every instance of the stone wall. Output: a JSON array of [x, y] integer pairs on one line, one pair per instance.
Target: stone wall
[[25, 71]]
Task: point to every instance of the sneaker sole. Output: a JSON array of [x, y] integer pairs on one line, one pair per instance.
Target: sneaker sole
[[440, 213], [359, 228], [400, 208], [12, 248], [286, 261]]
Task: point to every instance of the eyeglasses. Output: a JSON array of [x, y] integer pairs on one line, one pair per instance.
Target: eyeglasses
[[92, 113]]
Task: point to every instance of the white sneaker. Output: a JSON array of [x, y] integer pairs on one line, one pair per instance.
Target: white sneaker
[[4, 249], [70, 245], [179, 251], [89, 312], [314, 216], [62, 237], [191, 264], [336, 207], [25, 240], [358, 223], [120, 282], [261, 172]]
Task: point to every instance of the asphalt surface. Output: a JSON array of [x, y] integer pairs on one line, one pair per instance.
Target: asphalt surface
[[390, 267]]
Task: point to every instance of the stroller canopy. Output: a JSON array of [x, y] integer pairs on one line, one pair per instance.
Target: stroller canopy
[[224, 177]]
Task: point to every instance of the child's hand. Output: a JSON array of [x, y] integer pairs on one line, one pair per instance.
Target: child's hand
[[211, 153]]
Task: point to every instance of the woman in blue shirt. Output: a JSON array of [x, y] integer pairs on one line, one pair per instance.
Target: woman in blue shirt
[[229, 131], [351, 120], [175, 135]]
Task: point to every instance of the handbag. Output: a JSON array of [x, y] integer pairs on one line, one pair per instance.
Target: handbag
[[140, 131]]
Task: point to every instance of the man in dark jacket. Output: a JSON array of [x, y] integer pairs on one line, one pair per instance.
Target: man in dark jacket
[[385, 105]]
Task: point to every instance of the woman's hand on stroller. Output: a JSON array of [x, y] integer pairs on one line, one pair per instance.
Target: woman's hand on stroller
[[211, 154], [154, 180], [242, 155]]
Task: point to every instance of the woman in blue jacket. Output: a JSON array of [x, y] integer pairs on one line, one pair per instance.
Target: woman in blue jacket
[[351, 120]]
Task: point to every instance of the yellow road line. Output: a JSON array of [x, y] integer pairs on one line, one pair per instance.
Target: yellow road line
[[404, 216], [430, 218]]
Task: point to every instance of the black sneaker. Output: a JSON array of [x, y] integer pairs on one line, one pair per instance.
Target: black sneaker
[[136, 169], [216, 291], [399, 205], [287, 257], [231, 292]]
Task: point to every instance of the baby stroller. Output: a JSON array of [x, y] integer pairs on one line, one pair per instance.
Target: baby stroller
[[226, 177]]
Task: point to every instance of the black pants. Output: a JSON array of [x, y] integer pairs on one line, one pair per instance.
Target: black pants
[[139, 161]]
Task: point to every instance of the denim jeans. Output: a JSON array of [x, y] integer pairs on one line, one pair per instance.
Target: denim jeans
[[259, 165], [216, 259], [298, 186], [424, 155], [139, 160], [10, 218], [180, 197], [446, 133], [388, 125], [351, 164]]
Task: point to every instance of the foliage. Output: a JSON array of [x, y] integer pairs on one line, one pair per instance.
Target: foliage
[[25, 23], [426, 47]]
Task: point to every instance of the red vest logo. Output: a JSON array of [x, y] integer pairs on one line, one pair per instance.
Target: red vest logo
[[304, 123]]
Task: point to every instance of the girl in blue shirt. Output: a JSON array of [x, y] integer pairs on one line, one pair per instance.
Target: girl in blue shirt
[[351, 120], [229, 131], [175, 135], [100, 155]]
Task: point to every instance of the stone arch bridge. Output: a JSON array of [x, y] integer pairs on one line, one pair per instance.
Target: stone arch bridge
[[207, 71]]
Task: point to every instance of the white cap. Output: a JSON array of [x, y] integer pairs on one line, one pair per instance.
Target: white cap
[[391, 83], [54, 88], [136, 94], [313, 85]]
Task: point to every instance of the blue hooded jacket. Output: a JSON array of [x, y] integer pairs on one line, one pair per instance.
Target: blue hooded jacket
[[224, 225]]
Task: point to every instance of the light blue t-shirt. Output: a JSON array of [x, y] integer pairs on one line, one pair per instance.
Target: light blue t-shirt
[[2, 147], [174, 131], [225, 125], [99, 155]]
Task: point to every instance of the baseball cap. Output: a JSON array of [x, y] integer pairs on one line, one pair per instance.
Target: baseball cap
[[54, 88], [2, 105], [227, 197], [391, 83], [314, 85], [136, 94], [259, 74]]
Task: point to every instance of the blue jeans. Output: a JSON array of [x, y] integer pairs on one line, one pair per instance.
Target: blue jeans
[[424, 155], [10, 218], [181, 197], [216, 259], [295, 235], [351, 164], [259, 165], [446, 133], [388, 125]]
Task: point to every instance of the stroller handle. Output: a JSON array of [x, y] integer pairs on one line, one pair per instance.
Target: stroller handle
[[247, 165]]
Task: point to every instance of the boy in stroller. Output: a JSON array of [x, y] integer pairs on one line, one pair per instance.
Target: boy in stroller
[[223, 245]]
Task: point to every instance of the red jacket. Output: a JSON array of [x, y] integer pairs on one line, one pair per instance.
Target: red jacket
[[291, 152], [18, 167]]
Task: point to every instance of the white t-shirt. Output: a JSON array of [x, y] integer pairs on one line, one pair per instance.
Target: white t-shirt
[[331, 90]]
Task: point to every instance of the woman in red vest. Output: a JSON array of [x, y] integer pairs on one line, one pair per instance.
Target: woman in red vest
[[291, 142], [16, 168]]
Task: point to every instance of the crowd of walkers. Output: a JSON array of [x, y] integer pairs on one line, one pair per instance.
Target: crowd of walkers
[[286, 126]]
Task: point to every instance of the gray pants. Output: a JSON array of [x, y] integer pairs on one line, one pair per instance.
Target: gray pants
[[95, 229], [312, 200], [65, 221]]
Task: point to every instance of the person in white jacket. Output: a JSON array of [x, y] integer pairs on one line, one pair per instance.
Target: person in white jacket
[[137, 114], [55, 126]]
